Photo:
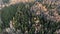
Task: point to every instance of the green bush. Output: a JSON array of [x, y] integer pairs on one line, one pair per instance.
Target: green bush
[[7, 13]]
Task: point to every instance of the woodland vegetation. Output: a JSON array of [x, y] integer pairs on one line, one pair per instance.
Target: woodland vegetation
[[26, 21]]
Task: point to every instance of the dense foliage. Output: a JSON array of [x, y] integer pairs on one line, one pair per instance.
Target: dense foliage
[[7, 13], [26, 21]]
